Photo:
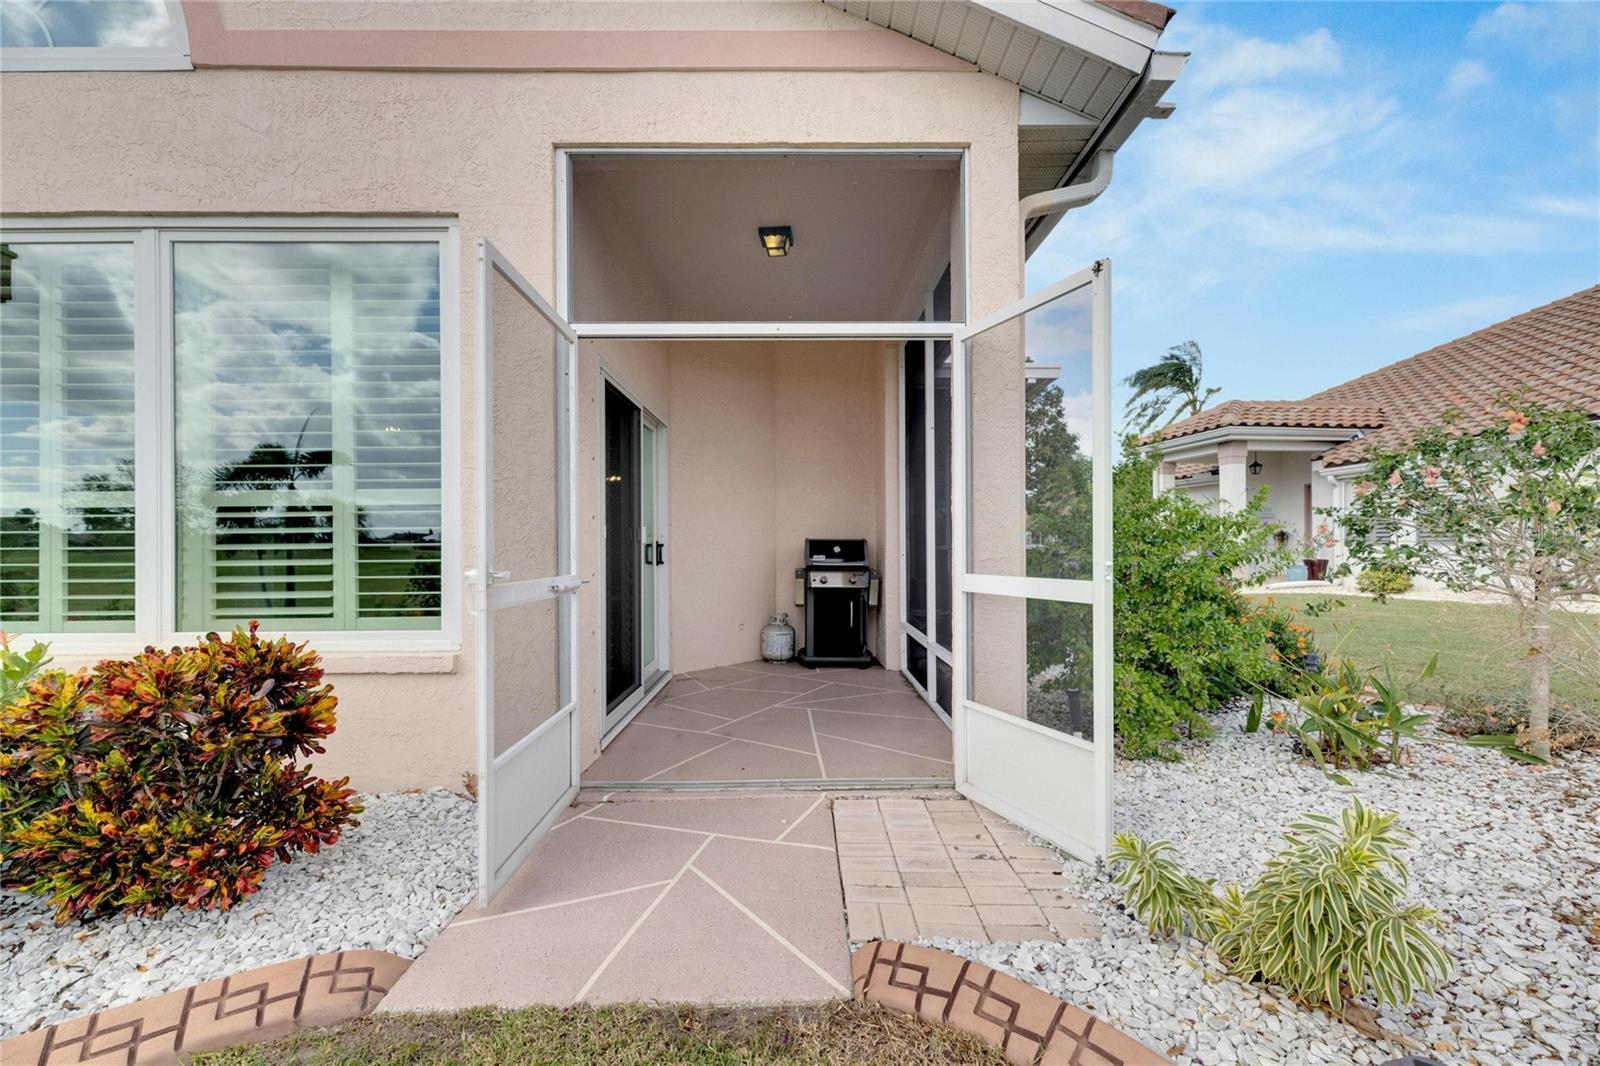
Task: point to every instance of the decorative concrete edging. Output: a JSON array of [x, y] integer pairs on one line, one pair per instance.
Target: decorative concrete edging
[[247, 1008], [1030, 1026]]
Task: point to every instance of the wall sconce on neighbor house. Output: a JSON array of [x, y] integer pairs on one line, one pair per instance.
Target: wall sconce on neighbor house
[[1255, 468], [776, 240]]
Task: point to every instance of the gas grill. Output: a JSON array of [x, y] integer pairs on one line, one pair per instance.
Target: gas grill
[[836, 586]]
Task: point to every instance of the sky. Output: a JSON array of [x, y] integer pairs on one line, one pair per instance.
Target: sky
[[1345, 184]]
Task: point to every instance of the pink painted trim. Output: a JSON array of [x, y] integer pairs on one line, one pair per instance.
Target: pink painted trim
[[213, 44]]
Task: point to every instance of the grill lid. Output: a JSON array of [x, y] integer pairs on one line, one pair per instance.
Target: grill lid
[[827, 553]]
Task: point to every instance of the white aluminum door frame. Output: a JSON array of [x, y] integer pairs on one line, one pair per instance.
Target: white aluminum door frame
[[521, 765], [1096, 591], [650, 683]]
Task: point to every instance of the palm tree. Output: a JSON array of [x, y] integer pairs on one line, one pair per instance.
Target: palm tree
[[1167, 390]]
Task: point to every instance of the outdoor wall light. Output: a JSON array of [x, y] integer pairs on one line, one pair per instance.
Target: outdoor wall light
[[1255, 468], [776, 240]]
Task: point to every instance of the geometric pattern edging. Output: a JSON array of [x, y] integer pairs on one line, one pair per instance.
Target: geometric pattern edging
[[257, 1005], [1029, 1025]]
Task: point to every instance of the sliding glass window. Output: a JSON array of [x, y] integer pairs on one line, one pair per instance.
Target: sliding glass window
[[66, 437]]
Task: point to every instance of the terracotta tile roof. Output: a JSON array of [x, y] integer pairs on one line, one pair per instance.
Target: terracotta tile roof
[[1552, 351], [1297, 413], [1157, 15]]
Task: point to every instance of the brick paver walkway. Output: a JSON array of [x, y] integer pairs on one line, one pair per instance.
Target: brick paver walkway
[[947, 867]]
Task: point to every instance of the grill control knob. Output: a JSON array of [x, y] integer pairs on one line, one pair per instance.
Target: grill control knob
[[822, 579]]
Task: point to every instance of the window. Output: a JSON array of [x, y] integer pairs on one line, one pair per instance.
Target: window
[[66, 437], [285, 457], [308, 434], [93, 35]]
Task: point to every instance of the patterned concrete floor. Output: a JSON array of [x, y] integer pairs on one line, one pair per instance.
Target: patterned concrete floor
[[676, 897], [779, 722]]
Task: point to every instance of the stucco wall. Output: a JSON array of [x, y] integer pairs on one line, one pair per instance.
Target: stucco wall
[[523, 15], [480, 147]]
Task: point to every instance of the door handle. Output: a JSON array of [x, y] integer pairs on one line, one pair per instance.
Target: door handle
[[661, 553], [649, 555]]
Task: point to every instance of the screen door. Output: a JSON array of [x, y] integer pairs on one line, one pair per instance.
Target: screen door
[[524, 587], [1032, 441]]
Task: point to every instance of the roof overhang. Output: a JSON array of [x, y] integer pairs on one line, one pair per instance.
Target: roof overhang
[[1087, 73], [1262, 438]]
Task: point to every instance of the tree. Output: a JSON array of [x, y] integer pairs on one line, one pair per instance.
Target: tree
[[1512, 508], [1167, 390]]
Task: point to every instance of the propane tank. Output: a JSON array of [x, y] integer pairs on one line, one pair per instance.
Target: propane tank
[[777, 639]]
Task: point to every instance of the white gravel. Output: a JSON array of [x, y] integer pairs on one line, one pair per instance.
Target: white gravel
[[1509, 853], [390, 883]]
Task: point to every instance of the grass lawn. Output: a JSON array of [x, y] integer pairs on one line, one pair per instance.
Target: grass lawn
[[629, 1035], [1478, 645]]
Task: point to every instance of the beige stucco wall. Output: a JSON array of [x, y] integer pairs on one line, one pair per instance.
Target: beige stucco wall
[[479, 147], [767, 443], [524, 15]]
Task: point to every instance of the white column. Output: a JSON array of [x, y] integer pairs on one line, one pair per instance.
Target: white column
[[1231, 491], [1166, 476]]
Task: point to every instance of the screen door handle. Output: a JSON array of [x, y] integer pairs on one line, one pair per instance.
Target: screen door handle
[[661, 553], [649, 555]]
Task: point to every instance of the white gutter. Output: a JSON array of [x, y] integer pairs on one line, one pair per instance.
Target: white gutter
[[1061, 200]]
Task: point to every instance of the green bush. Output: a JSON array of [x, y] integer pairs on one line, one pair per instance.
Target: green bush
[[166, 779], [1327, 918], [18, 668], [1350, 715], [1186, 639], [1381, 581]]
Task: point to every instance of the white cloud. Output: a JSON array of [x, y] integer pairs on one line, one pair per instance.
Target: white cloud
[[1582, 207], [1078, 410], [1543, 31], [1465, 77], [1225, 58], [1257, 165]]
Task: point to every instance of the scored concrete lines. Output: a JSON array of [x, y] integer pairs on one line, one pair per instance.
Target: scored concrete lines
[[683, 897], [780, 721]]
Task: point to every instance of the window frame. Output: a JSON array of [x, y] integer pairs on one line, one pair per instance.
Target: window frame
[[174, 56], [155, 409]]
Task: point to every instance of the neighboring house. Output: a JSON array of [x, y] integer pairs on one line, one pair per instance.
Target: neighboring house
[[275, 349], [1310, 453]]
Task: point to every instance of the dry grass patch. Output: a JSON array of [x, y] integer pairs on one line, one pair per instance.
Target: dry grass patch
[[833, 1034]]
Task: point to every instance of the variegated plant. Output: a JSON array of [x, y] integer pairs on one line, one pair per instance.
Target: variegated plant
[[1327, 919], [1164, 897]]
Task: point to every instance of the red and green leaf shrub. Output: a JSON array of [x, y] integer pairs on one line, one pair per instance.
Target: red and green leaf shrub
[[167, 779]]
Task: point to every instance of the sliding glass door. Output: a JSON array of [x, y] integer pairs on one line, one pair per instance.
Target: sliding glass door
[[925, 404], [635, 554]]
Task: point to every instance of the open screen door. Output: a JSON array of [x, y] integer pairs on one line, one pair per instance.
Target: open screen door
[[1033, 738], [524, 587]]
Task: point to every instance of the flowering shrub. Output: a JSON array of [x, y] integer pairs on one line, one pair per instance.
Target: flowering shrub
[[1507, 503], [166, 779]]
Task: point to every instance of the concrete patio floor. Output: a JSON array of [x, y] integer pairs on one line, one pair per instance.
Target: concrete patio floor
[[681, 897], [762, 721], [736, 898]]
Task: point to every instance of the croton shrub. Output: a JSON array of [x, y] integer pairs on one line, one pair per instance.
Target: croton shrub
[[170, 778]]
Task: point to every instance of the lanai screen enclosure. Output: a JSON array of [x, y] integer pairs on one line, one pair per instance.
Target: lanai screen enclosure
[[997, 431]]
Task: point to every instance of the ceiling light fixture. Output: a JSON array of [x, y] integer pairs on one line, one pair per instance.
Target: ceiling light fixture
[[776, 240]]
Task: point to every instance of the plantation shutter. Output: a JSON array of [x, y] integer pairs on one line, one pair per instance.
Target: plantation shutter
[[66, 438], [309, 435]]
